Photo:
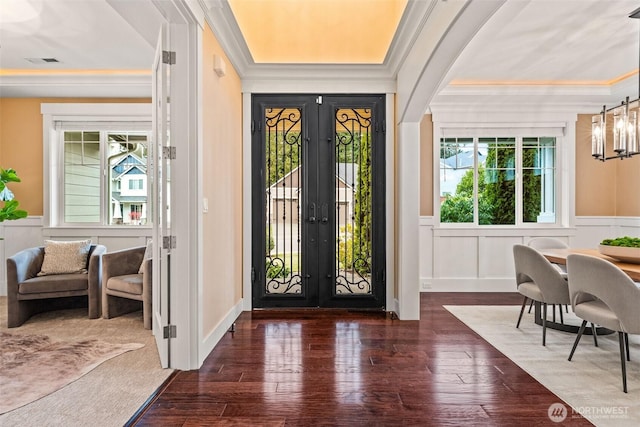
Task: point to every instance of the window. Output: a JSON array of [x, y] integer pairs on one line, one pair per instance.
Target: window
[[497, 180], [91, 151], [116, 197]]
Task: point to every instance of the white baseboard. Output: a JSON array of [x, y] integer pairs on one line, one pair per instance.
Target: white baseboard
[[208, 343], [498, 284]]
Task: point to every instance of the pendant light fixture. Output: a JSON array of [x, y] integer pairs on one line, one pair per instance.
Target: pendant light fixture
[[625, 126]]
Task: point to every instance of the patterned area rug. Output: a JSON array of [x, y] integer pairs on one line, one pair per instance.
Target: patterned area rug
[[590, 384], [33, 366]]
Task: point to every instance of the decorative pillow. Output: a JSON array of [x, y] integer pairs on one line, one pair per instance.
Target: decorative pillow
[[65, 257], [148, 253]]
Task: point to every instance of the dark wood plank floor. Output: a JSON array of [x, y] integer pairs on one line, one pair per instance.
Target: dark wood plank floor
[[341, 368]]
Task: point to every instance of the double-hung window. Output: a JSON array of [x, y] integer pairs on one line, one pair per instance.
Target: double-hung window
[[98, 170], [104, 174], [488, 180]]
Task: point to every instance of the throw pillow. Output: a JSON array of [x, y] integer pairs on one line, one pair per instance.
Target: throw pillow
[[148, 253], [65, 257]]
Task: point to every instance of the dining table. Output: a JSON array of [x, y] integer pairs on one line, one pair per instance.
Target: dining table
[[559, 256]]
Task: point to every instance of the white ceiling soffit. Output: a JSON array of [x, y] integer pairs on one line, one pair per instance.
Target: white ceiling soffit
[[226, 30], [99, 52], [569, 53]]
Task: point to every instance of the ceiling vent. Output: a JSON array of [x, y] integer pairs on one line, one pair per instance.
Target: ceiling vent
[[41, 60]]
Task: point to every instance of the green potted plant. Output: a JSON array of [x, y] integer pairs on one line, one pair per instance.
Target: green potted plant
[[8, 205], [625, 249]]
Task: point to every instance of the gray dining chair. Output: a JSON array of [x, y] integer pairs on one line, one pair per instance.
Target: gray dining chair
[[601, 293], [542, 243], [537, 279]]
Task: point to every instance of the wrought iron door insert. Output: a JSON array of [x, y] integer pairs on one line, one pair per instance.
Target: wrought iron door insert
[[318, 201]]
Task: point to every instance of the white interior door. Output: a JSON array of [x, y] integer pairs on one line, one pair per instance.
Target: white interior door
[[161, 190]]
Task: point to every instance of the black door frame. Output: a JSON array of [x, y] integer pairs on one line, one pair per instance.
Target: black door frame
[[319, 261]]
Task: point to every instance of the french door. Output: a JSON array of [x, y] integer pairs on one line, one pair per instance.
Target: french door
[[318, 228], [161, 191]]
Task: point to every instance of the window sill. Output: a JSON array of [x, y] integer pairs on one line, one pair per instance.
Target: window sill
[[98, 230]]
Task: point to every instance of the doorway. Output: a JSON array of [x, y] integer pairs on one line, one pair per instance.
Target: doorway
[[318, 197]]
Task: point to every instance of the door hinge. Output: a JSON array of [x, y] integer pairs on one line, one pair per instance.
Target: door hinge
[[253, 274], [168, 242], [168, 57], [169, 153], [319, 100], [253, 126], [169, 331]]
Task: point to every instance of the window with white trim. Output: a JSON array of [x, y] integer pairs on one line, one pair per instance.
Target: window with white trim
[[92, 151], [104, 175], [497, 180]]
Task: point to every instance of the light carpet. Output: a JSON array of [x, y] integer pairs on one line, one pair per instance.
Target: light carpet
[[33, 366], [591, 383], [110, 394]]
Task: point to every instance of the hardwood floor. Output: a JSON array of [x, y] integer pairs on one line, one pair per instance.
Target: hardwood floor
[[342, 368]]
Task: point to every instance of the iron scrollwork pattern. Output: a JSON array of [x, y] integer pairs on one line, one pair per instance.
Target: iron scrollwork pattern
[[283, 170], [353, 208]]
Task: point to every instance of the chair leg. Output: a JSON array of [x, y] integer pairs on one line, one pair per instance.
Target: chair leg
[[560, 311], [595, 335], [524, 302], [530, 306], [622, 361], [626, 343], [566, 308], [544, 324], [575, 343], [553, 307]]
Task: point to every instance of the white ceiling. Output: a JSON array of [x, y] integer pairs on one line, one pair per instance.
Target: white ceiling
[[543, 43]]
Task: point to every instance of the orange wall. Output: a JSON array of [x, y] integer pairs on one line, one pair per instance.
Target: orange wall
[[426, 166], [596, 182], [21, 144], [222, 186]]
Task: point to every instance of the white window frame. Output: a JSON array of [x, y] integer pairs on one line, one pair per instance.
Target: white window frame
[[456, 123], [104, 115], [519, 176]]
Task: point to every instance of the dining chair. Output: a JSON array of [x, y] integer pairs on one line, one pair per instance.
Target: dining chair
[[601, 293], [541, 243], [537, 279]]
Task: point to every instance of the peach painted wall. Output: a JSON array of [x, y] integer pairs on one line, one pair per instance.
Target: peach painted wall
[[21, 144], [222, 186], [596, 182], [426, 166], [627, 194]]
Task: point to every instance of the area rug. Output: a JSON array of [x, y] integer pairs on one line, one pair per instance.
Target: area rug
[[33, 366], [591, 384]]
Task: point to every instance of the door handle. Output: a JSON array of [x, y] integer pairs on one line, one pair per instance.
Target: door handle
[[312, 212], [325, 213]]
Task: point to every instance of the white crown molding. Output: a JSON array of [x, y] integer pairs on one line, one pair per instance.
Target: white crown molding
[[413, 20], [575, 98], [224, 26], [76, 85]]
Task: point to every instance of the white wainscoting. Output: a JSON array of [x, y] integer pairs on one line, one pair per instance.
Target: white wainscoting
[[29, 232], [481, 259]]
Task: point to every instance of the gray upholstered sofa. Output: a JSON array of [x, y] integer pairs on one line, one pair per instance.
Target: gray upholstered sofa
[[29, 294], [126, 283]]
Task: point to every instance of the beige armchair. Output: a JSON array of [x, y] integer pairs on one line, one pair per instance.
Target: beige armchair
[[603, 294], [125, 288], [29, 294], [539, 280]]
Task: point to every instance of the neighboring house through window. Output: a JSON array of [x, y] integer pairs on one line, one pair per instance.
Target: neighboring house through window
[[102, 162]]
